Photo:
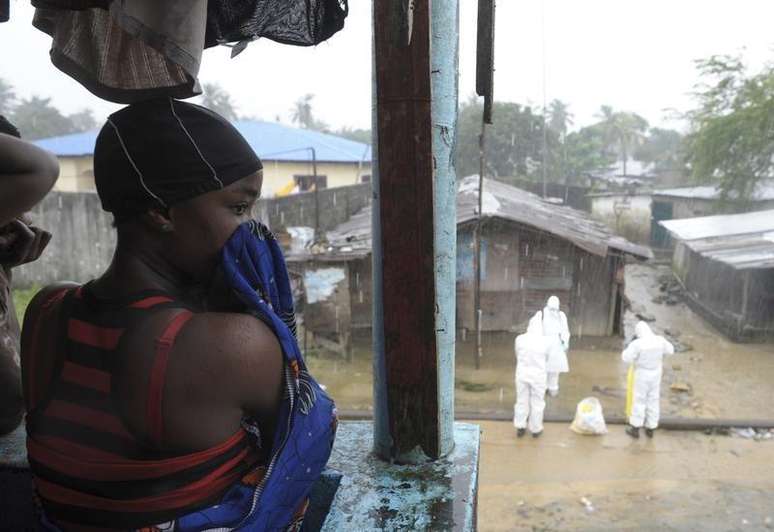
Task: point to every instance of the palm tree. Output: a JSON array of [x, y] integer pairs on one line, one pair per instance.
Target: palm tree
[[559, 118], [302, 111], [607, 122], [303, 116], [625, 129], [559, 121]]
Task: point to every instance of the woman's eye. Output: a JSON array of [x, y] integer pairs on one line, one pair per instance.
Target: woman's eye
[[239, 210]]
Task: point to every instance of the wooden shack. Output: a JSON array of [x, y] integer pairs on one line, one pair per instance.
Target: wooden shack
[[531, 249], [334, 297]]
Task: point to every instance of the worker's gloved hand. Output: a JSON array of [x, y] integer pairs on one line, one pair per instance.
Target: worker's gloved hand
[[21, 242]]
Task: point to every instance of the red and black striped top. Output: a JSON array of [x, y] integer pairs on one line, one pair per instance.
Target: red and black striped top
[[90, 471]]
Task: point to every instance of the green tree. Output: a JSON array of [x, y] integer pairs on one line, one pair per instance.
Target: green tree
[[587, 152], [559, 121], [358, 135], [36, 118], [82, 121], [513, 143], [664, 148], [559, 118], [219, 100], [732, 127]]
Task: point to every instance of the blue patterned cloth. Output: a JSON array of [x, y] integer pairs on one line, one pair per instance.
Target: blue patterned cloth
[[306, 425]]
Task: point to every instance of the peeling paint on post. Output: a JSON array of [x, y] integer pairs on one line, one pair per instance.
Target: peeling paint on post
[[444, 66]]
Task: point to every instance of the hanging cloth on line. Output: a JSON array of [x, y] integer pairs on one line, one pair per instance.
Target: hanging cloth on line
[[127, 52]]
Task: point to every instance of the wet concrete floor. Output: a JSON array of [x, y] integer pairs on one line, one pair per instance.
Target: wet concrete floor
[[725, 379], [676, 481]]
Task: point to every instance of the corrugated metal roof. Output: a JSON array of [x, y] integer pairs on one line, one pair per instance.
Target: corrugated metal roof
[[270, 140], [508, 203], [764, 192], [721, 225], [742, 241], [750, 253]]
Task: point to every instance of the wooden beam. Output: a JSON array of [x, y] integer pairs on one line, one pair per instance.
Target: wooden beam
[[405, 196]]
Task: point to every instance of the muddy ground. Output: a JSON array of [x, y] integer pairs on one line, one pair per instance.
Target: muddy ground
[[676, 481], [723, 379], [563, 481]]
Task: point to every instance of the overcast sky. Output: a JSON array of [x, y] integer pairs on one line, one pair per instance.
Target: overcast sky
[[633, 55]]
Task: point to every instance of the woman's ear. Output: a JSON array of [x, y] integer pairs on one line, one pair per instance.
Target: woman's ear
[[159, 220]]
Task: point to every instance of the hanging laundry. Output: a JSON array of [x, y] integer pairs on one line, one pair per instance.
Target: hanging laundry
[[297, 22], [127, 52]]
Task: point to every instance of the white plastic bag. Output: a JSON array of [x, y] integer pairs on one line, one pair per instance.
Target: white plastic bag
[[589, 418]]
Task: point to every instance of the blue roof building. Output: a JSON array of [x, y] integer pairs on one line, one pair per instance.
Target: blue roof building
[[286, 151]]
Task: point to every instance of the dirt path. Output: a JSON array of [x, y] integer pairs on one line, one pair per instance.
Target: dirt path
[[677, 481]]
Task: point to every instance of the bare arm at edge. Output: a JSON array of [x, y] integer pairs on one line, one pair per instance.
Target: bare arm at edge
[[27, 173]]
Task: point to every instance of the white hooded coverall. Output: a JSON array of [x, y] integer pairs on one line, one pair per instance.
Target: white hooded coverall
[[647, 353], [531, 359], [557, 334]]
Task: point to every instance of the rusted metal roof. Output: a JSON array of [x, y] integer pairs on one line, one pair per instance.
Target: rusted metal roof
[[510, 203], [500, 201]]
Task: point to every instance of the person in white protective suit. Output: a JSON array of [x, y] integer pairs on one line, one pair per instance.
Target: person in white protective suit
[[647, 354], [557, 334], [531, 359]]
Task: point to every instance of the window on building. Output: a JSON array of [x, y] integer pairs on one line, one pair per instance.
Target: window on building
[[365, 178], [306, 182]]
